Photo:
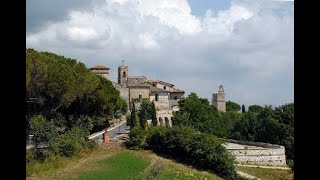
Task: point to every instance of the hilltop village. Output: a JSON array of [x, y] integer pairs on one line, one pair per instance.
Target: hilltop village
[[165, 96]]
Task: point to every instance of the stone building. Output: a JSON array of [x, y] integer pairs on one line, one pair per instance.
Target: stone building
[[101, 70], [218, 99], [135, 88]]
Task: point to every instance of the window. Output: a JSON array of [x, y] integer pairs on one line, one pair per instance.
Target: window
[[154, 85], [157, 97], [164, 87], [175, 97], [140, 97], [124, 74]]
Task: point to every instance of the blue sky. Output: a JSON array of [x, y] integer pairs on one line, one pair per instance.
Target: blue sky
[[245, 45], [199, 7]]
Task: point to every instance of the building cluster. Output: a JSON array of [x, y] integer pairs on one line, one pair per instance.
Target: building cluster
[[133, 89]]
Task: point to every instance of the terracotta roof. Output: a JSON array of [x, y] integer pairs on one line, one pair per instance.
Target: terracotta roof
[[160, 82], [98, 67], [174, 90], [155, 89]]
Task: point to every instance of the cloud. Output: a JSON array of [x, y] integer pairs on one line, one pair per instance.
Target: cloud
[[247, 47]]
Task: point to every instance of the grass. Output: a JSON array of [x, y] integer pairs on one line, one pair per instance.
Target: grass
[[116, 163], [264, 173], [120, 166]]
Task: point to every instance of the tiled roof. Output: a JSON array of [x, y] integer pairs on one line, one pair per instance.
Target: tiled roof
[[160, 82], [98, 67], [174, 90], [155, 89]]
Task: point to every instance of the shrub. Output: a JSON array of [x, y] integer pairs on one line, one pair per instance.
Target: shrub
[[69, 143], [290, 164], [137, 138], [201, 149]]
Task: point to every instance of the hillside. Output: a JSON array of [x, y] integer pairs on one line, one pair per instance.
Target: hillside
[[116, 162]]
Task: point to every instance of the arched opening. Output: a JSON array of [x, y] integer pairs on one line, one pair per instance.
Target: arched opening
[[161, 121], [124, 74], [167, 122]]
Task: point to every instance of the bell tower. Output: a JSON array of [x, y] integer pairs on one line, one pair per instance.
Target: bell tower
[[122, 75], [218, 99]]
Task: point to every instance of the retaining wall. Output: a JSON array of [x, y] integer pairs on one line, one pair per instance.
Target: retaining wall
[[258, 153]]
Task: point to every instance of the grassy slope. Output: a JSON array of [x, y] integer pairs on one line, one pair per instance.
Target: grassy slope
[[263, 173], [116, 163]]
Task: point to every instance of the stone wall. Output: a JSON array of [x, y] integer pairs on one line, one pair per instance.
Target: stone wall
[[163, 102], [124, 93], [164, 118], [257, 153], [143, 91]]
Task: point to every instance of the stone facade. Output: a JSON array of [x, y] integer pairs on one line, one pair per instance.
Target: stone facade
[[139, 92], [218, 99], [100, 70], [164, 118], [123, 75], [163, 102], [135, 88], [257, 153]]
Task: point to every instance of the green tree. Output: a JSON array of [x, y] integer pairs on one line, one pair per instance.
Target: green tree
[[255, 109], [143, 118], [180, 119], [232, 106], [243, 109], [42, 130], [154, 114], [134, 121]]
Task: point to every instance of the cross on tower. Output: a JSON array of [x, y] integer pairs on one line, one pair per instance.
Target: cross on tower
[[122, 62]]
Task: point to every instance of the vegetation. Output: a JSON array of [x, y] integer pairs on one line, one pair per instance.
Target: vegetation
[[65, 103], [266, 174], [115, 163], [199, 149], [253, 125], [121, 166], [232, 106], [243, 109], [154, 114]]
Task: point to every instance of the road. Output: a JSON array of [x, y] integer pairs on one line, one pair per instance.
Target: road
[[119, 130], [122, 129]]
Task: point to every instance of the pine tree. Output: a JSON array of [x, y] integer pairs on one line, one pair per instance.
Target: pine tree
[[154, 114]]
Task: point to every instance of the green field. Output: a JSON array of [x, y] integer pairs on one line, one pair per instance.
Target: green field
[[118, 163], [120, 166], [266, 174]]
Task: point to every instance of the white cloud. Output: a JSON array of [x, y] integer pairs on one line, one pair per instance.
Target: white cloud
[[247, 47]]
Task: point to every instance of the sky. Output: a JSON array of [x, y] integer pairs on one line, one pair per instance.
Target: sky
[[245, 45]]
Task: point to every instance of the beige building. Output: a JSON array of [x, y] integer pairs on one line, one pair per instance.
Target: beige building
[[135, 88], [218, 99]]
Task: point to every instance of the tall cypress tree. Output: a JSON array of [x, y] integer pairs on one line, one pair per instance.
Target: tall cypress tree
[[143, 117], [154, 114], [243, 109], [134, 121]]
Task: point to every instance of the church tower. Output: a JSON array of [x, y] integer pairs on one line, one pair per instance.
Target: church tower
[[122, 75], [218, 99]]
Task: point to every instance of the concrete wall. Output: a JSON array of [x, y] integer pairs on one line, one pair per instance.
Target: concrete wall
[[259, 153], [163, 102]]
